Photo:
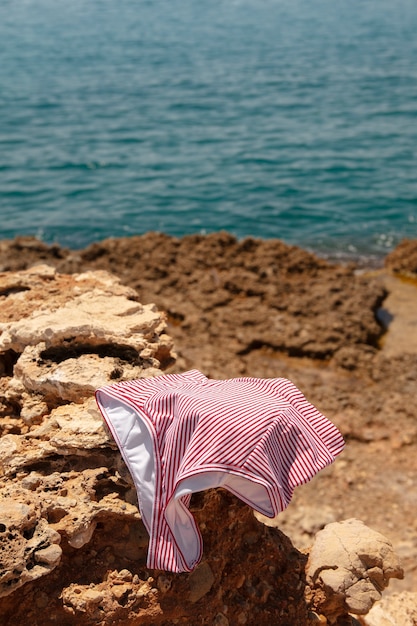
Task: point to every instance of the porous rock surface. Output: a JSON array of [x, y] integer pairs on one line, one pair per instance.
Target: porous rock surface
[[61, 337], [255, 295], [73, 547], [403, 259], [252, 308], [399, 610]]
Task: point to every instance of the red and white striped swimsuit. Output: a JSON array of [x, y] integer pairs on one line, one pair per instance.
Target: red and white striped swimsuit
[[182, 433]]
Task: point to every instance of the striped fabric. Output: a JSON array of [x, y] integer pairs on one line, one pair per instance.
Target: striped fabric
[[183, 433]]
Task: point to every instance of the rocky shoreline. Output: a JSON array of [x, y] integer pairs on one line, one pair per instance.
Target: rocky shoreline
[[347, 337]]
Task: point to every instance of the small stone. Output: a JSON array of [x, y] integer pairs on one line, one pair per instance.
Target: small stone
[[93, 596], [200, 581], [31, 482], [119, 591], [125, 575], [50, 556], [83, 536], [143, 590]]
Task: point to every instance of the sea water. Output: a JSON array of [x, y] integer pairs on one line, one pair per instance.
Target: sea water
[[294, 119]]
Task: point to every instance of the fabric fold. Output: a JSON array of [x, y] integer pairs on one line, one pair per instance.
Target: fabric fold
[[184, 433]]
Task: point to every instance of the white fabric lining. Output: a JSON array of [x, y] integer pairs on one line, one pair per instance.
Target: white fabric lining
[[182, 522], [245, 488], [136, 446]]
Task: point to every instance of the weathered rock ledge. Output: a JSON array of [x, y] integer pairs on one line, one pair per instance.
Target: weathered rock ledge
[[61, 337], [64, 483], [72, 544]]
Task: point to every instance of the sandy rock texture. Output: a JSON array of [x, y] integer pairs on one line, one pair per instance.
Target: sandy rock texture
[[403, 260], [60, 337], [255, 295], [258, 308], [399, 610]]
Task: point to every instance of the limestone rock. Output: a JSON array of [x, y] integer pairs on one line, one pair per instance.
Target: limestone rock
[[69, 429], [61, 337], [398, 609], [66, 317], [351, 564], [29, 547], [62, 377], [108, 597], [253, 296], [239, 580]]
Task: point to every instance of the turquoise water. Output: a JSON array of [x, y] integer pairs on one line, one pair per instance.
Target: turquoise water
[[294, 119]]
